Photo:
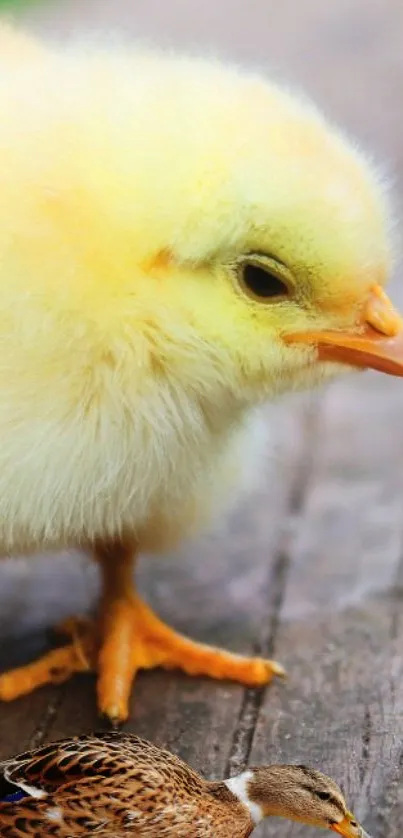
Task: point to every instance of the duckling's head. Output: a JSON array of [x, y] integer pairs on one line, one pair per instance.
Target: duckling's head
[[298, 793]]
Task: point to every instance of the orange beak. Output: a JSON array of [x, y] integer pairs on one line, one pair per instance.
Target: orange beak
[[376, 343], [349, 828]]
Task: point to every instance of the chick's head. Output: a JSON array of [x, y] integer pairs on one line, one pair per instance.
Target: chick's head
[[239, 233]]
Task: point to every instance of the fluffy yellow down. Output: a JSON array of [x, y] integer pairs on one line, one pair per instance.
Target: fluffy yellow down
[[131, 363]]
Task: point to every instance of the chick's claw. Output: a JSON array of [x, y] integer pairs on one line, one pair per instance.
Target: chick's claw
[[135, 638], [129, 637], [55, 667]]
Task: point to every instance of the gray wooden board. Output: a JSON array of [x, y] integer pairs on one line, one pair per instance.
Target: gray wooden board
[[341, 621]]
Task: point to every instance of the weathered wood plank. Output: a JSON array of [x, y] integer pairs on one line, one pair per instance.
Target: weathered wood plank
[[341, 631]]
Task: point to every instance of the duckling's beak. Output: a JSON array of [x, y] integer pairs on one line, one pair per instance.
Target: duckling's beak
[[376, 342], [349, 828]]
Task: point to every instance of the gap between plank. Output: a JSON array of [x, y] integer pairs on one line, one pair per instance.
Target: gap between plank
[[42, 729], [253, 697], [389, 800]]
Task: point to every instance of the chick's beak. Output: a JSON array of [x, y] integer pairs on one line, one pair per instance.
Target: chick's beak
[[376, 342], [349, 828]]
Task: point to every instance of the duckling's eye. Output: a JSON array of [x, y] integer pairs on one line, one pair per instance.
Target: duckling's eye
[[262, 279], [323, 795]]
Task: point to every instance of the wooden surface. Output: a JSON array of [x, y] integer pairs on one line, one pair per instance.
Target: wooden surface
[[311, 569]]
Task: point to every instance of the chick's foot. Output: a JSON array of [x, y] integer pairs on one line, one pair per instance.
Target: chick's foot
[[55, 666], [135, 638], [127, 637]]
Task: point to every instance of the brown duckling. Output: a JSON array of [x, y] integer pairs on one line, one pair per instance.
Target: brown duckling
[[116, 785]]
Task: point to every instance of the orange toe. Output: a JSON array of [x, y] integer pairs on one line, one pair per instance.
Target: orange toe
[[53, 668], [130, 637], [135, 638]]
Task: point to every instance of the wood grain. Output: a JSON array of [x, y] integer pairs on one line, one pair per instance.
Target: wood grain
[[341, 621]]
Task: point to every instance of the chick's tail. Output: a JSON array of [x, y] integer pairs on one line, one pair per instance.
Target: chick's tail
[[128, 637]]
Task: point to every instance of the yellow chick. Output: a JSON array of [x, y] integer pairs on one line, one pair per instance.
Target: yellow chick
[[179, 242]]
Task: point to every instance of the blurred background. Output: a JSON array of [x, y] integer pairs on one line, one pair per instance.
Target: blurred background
[[345, 54]]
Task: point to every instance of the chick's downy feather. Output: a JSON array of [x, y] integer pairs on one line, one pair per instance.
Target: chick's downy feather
[[180, 241], [130, 366]]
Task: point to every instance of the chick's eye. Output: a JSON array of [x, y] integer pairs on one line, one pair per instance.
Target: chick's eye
[[262, 282], [323, 795]]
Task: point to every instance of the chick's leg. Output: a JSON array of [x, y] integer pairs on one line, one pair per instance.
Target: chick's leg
[[125, 638], [134, 638]]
